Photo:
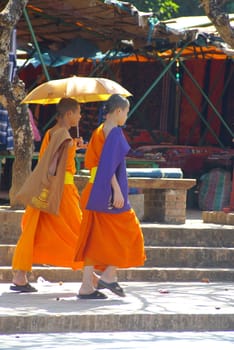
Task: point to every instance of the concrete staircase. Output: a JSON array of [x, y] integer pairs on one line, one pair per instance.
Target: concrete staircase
[[177, 253], [194, 254]]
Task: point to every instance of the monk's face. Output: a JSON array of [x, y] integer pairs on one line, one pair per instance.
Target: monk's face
[[123, 114], [74, 117]]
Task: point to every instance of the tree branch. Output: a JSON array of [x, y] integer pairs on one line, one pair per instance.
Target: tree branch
[[220, 19], [12, 12]]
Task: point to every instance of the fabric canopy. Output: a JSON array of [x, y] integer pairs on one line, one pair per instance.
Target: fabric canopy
[[86, 28]]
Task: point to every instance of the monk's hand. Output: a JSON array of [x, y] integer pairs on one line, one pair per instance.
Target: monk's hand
[[80, 143], [118, 199]]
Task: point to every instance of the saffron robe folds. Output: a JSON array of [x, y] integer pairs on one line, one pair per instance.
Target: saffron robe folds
[[48, 238], [108, 238]]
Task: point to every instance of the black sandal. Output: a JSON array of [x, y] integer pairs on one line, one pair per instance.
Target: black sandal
[[26, 288], [95, 295], [114, 287]]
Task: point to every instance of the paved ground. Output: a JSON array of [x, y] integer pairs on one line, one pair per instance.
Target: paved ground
[[120, 341], [147, 307], [147, 297]]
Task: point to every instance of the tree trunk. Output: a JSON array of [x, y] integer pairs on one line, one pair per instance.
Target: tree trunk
[[11, 94], [220, 20], [23, 141]]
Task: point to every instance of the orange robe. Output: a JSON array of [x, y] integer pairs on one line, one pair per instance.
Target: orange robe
[[47, 238], [107, 238]]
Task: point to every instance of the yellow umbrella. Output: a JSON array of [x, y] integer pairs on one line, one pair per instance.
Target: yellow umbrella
[[83, 89]]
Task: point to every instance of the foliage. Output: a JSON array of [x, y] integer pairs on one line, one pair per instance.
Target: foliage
[[163, 9], [189, 8], [193, 8]]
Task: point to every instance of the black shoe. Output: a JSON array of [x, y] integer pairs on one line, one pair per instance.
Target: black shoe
[[95, 295], [26, 288], [114, 287]]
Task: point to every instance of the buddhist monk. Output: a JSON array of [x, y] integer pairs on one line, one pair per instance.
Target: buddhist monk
[[51, 222], [110, 234]]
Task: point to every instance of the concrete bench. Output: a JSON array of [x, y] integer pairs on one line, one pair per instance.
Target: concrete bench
[[164, 198]]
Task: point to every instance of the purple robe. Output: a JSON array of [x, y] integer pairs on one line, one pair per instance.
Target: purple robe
[[112, 161]]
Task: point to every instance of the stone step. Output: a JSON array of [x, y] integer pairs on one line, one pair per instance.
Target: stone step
[[189, 257], [168, 236], [156, 234], [146, 307], [218, 217], [165, 256], [196, 235], [193, 233], [6, 253], [10, 224], [140, 274]]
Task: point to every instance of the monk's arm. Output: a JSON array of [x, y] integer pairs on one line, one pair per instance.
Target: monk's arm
[[118, 199]]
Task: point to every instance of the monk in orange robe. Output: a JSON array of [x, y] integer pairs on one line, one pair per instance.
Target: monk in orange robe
[[48, 238], [110, 234]]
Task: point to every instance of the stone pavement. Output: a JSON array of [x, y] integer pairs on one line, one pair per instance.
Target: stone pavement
[[120, 341], [147, 307]]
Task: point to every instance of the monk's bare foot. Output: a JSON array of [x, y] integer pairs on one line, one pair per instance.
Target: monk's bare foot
[[96, 278], [19, 278], [109, 274], [85, 290]]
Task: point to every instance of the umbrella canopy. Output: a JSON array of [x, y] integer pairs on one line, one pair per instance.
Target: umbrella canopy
[[83, 89]]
